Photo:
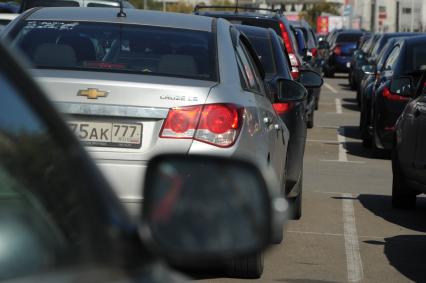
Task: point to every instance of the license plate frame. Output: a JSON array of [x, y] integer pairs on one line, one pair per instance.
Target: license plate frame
[[115, 134]]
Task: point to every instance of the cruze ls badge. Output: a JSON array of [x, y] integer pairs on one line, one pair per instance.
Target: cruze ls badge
[[92, 93]]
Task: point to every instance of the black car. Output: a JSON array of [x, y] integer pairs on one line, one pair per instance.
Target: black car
[[407, 58], [273, 19], [292, 111], [61, 222], [409, 153], [339, 56], [370, 82], [358, 60]]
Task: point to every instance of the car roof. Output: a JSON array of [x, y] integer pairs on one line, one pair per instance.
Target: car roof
[[239, 14], [253, 30], [134, 16], [414, 40]]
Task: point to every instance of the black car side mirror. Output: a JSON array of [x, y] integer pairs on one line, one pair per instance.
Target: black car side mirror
[[402, 86], [289, 90], [369, 69], [310, 79], [205, 210], [323, 45]]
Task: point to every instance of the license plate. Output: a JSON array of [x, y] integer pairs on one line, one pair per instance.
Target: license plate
[[108, 134], [348, 65]]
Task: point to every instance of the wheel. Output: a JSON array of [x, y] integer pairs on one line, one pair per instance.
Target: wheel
[[316, 103], [328, 73], [402, 197], [295, 204], [310, 122], [352, 83], [250, 267]]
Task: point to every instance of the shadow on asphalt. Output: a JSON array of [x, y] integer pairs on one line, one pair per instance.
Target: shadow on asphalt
[[345, 87], [350, 100], [405, 252], [381, 206], [352, 107], [355, 148], [303, 281]]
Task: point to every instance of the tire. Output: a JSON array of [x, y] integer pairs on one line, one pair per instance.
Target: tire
[[250, 267], [295, 204], [317, 103], [310, 122], [328, 73], [402, 197], [351, 82]]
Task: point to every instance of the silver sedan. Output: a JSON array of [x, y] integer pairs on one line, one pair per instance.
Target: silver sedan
[[143, 83]]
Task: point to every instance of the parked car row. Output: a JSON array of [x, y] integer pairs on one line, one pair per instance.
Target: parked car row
[[389, 72], [133, 85]]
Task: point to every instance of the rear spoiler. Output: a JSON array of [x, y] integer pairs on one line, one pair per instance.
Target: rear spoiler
[[236, 8]]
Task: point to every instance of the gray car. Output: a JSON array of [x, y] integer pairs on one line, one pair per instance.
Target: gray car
[[147, 83]]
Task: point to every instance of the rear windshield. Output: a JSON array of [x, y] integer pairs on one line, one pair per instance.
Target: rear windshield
[[348, 37], [263, 48], [119, 48]]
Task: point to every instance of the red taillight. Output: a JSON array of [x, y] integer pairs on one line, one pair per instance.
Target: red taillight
[[282, 108], [337, 50], [181, 122], [217, 124], [286, 38], [393, 96], [314, 52]]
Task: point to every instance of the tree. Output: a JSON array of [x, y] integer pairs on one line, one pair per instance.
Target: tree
[[313, 12]]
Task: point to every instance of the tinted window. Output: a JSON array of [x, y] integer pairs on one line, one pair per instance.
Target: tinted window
[[418, 57], [50, 3], [393, 56], [119, 48], [263, 48], [348, 37]]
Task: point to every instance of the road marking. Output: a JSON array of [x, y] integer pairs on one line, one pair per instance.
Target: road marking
[[338, 235], [338, 106], [353, 256], [323, 141], [343, 157], [332, 89], [330, 160]]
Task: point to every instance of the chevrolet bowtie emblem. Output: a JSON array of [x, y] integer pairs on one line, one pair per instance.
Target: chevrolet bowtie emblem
[[92, 93]]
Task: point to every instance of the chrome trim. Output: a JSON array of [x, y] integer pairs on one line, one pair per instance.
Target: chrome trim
[[111, 110]]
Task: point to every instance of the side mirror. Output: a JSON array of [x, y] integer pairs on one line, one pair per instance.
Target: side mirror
[[205, 210], [289, 90], [323, 45], [310, 79], [369, 69], [402, 86]]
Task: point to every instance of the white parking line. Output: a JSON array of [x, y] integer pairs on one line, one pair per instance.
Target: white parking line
[[338, 106], [332, 89], [353, 257], [343, 157]]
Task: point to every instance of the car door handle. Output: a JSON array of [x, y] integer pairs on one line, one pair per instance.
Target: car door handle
[[267, 120]]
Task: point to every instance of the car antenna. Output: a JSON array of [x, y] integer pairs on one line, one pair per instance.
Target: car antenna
[[121, 14]]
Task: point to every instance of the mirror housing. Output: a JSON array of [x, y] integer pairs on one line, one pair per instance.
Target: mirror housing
[[369, 69], [289, 90], [205, 210], [310, 79], [323, 45], [402, 86]]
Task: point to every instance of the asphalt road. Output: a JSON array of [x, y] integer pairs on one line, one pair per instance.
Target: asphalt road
[[348, 231]]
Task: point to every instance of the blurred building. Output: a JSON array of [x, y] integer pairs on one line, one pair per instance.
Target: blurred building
[[388, 15]]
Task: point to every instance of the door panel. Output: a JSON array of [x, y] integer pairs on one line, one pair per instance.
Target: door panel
[[420, 155]]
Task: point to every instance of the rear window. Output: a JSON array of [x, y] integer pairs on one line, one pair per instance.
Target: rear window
[[119, 48], [263, 48], [418, 58], [348, 37], [49, 3]]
